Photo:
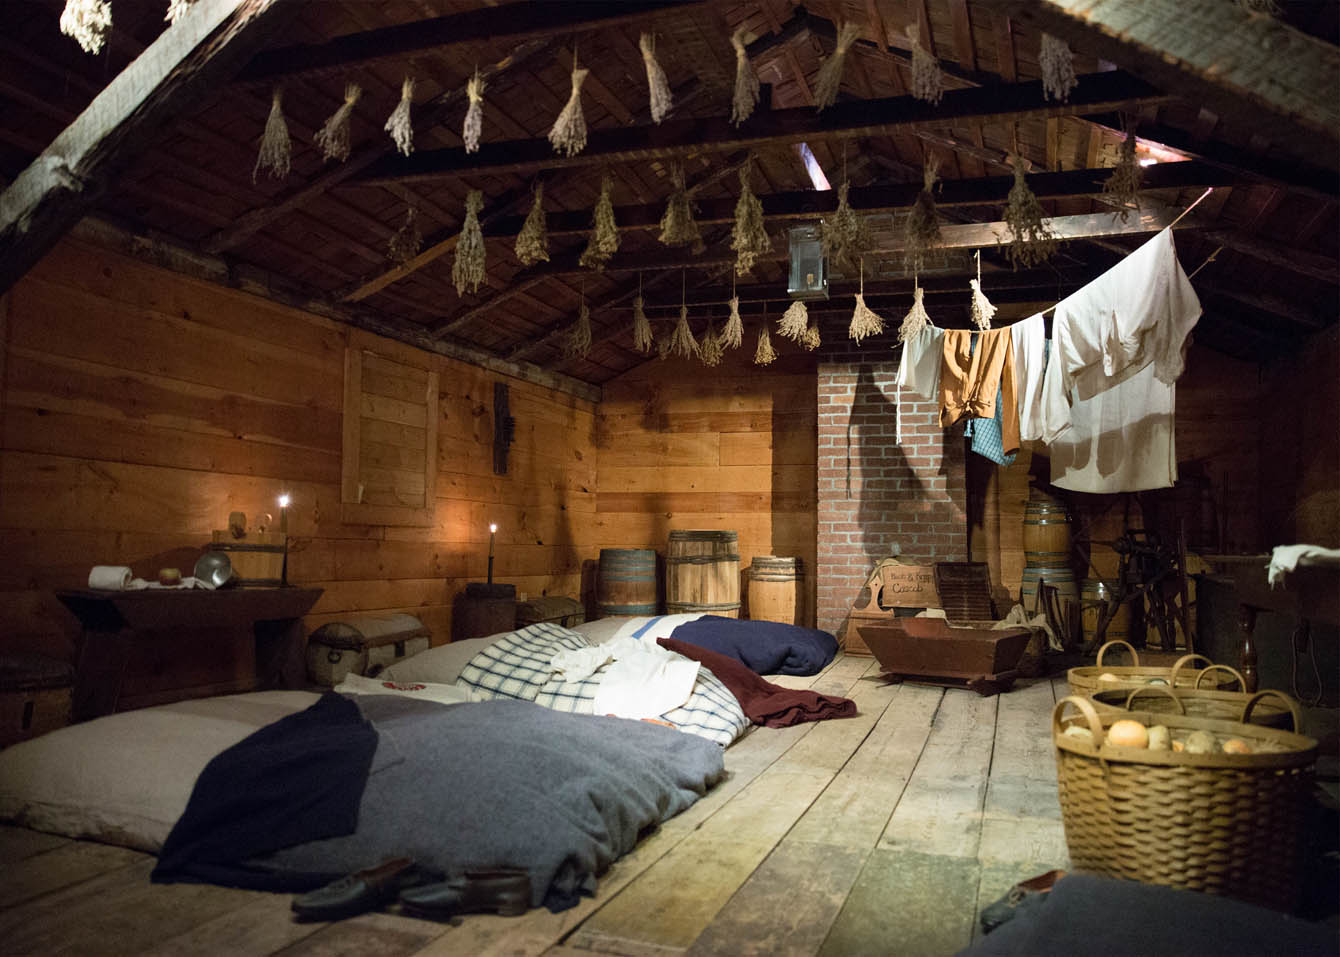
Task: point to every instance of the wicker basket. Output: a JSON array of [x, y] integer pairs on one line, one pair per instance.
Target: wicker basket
[[1277, 711], [1084, 679], [1229, 824]]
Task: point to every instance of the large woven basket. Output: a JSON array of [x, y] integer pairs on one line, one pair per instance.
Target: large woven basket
[[1229, 824], [1084, 680], [1276, 710]]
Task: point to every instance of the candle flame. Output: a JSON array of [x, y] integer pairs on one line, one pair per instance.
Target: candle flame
[[284, 500], [492, 528]]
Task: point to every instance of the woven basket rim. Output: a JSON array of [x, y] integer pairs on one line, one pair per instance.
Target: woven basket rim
[[1225, 705]]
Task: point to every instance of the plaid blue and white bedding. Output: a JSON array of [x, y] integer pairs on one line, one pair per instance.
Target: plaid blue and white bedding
[[517, 666]]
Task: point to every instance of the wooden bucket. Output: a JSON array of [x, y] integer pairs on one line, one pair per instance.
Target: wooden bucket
[[626, 582], [702, 573], [257, 559], [774, 589], [1091, 592], [1062, 579], [1046, 532], [483, 609]]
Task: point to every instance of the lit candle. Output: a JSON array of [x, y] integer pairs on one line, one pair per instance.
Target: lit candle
[[493, 529], [283, 513]]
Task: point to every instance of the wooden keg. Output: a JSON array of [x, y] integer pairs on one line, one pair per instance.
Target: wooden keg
[[774, 589], [1091, 592], [702, 573], [1046, 532], [1062, 579], [626, 582]]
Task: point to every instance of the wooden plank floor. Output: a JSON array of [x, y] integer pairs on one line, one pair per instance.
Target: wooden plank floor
[[883, 833]]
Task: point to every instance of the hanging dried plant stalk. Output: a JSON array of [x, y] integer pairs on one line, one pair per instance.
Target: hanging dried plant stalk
[[577, 343], [709, 350], [88, 22], [982, 309], [604, 241], [928, 82], [398, 123], [746, 81], [794, 321], [732, 333], [1123, 186], [844, 235], [406, 242], [1032, 240], [663, 348], [864, 321], [176, 8], [748, 238], [678, 227], [829, 79], [682, 342], [333, 137], [276, 147], [568, 134], [643, 340], [921, 231], [917, 317], [532, 243], [811, 339], [468, 270], [474, 114], [656, 81], [1058, 68], [764, 353]]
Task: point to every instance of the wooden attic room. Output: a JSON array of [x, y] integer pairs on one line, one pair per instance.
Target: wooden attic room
[[454, 335]]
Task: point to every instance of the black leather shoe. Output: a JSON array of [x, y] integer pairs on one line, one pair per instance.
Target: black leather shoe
[[504, 892], [360, 892]]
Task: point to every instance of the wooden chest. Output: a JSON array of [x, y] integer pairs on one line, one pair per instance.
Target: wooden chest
[[363, 646], [36, 695]]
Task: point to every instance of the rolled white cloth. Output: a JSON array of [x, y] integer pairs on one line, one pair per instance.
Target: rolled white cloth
[[110, 577]]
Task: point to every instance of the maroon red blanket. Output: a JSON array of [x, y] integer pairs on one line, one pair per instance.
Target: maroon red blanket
[[764, 702]]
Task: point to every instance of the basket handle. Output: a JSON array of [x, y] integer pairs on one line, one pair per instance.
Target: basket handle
[[1163, 689], [1292, 705], [1086, 708], [1177, 666], [1135, 657], [1229, 668]]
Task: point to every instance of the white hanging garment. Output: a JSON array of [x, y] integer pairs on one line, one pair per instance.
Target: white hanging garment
[[1030, 363], [919, 367]]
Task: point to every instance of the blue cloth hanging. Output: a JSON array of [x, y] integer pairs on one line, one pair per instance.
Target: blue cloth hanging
[[985, 433]]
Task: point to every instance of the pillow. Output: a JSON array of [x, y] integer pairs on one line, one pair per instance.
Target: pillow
[[642, 626], [602, 629], [441, 665], [87, 780], [416, 690]]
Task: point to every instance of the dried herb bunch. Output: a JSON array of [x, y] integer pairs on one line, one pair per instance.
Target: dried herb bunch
[[399, 124], [749, 238], [1123, 186], [917, 317], [406, 242], [468, 269], [794, 321], [732, 334], [928, 82], [746, 81], [276, 146], [864, 320], [473, 125], [604, 241], [678, 227], [764, 353], [643, 340], [577, 343], [333, 137], [568, 134], [682, 343], [1058, 70], [659, 96], [829, 79], [532, 243], [709, 350], [844, 236], [1032, 241], [811, 339], [921, 230]]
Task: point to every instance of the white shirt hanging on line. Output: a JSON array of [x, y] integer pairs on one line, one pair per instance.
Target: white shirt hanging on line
[[919, 370], [1030, 364]]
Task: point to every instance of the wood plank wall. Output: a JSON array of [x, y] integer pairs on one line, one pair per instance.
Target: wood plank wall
[[141, 407], [681, 446]]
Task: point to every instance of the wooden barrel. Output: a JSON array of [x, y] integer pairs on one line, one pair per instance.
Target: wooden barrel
[[702, 573], [1062, 579], [774, 589], [1046, 532], [626, 582], [1093, 590], [482, 610]]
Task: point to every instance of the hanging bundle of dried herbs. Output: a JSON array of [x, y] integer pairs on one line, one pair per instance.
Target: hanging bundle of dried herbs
[[276, 146], [746, 81], [916, 318], [678, 227], [577, 343], [604, 241], [468, 269], [474, 114], [732, 334], [568, 134], [1058, 68], [398, 123], [981, 309], [764, 352], [88, 22], [1123, 186], [749, 238], [643, 340], [794, 321], [656, 81], [406, 241], [921, 230], [928, 83], [682, 342], [1032, 241], [811, 340], [829, 80], [709, 350], [333, 137], [532, 243], [864, 321], [844, 236], [176, 8]]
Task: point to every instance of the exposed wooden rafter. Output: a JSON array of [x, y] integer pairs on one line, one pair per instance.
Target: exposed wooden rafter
[[204, 48]]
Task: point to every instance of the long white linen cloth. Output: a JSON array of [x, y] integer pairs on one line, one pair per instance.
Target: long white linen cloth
[[640, 678], [1030, 365]]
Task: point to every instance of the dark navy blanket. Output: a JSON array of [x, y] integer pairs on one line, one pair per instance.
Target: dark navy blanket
[[764, 647]]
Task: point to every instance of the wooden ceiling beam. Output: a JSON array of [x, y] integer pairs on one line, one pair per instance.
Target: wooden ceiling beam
[[512, 22], [187, 62], [1274, 78], [1097, 92]]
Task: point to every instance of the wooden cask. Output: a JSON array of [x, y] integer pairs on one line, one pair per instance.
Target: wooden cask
[[626, 582], [1092, 592], [1062, 579], [702, 573], [774, 589], [1046, 532]]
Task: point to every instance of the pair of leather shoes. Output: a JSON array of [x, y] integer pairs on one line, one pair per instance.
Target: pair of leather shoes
[[503, 892], [360, 892]]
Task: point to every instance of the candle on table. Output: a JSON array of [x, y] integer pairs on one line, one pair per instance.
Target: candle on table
[[493, 529]]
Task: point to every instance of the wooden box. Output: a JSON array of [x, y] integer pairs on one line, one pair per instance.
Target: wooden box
[[893, 588], [257, 558], [558, 609], [961, 654], [36, 694], [363, 646]]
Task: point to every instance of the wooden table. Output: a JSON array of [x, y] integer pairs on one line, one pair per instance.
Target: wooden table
[[112, 619]]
